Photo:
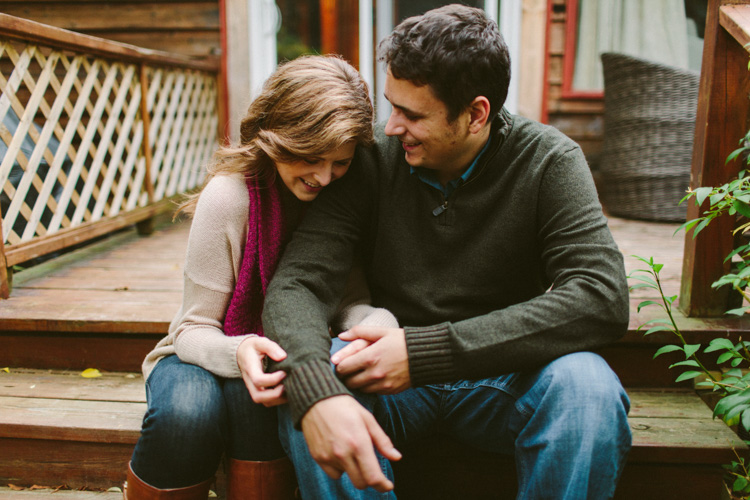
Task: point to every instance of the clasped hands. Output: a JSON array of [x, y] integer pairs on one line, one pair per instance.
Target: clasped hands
[[340, 433]]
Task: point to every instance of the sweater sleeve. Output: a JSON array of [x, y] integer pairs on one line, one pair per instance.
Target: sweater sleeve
[[585, 307], [309, 282], [215, 246]]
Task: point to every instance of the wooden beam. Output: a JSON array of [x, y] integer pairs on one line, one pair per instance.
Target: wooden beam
[[23, 29], [84, 232], [721, 120], [736, 20], [5, 273]]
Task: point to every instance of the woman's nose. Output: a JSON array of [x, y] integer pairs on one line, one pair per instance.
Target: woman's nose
[[324, 173]]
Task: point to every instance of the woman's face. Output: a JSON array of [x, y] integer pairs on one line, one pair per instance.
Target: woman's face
[[305, 178]]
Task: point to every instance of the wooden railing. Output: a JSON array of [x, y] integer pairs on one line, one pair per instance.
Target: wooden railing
[[722, 119], [94, 136]]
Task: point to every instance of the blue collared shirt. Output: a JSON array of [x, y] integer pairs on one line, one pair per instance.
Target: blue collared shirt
[[427, 175]]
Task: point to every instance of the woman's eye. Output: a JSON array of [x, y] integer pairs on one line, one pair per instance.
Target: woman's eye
[[310, 161]]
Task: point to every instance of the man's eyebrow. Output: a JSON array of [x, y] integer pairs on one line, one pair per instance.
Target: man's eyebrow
[[402, 108]]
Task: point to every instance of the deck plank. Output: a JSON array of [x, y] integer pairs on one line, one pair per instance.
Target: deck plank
[[49, 384]]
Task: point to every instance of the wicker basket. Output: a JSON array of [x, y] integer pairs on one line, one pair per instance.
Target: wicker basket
[[649, 122]]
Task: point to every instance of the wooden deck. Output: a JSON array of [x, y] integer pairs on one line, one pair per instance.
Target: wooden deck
[[131, 284], [106, 305]]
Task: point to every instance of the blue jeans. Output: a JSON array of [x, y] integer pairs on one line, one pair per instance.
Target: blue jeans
[[566, 423], [193, 418]]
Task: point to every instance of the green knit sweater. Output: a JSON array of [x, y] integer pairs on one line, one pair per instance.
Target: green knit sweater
[[518, 269]]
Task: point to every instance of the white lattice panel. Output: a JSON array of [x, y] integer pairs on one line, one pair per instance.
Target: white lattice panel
[[72, 137]]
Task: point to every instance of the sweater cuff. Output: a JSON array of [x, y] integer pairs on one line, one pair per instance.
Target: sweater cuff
[[309, 383], [430, 354]]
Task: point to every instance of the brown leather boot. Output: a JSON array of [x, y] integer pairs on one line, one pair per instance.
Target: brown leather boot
[[135, 489], [272, 480]]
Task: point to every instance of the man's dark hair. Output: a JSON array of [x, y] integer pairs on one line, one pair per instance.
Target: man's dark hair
[[455, 49]]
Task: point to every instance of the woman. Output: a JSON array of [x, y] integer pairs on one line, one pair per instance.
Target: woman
[[207, 392]]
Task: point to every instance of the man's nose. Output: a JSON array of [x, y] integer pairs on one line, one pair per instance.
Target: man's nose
[[394, 126]]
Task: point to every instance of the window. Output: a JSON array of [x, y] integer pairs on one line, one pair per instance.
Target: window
[[665, 31]]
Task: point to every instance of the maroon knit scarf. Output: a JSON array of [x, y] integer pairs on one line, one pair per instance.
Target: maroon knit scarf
[[262, 251]]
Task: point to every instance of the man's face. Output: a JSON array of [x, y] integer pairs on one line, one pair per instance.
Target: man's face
[[420, 120]]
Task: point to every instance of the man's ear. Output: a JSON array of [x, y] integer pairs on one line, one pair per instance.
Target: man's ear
[[479, 113]]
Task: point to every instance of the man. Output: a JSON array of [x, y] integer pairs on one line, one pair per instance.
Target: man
[[482, 232]]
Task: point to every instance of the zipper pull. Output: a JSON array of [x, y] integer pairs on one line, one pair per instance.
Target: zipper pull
[[440, 208]]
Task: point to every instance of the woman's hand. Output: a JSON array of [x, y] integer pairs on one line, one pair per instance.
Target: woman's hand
[[265, 388]]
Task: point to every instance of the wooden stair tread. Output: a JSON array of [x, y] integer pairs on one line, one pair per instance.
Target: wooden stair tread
[[668, 425], [39, 494], [123, 284]]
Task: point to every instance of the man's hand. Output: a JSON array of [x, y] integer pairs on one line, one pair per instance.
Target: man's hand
[[340, 434], [264, 388], [375, 361]]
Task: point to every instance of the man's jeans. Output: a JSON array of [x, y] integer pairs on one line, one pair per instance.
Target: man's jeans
[[193, 417], [566, 423]]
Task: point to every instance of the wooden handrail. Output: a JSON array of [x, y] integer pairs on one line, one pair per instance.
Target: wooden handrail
[[736, 20], [32, 31], [721, 120]]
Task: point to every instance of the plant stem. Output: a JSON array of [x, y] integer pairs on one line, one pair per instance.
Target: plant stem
[[676, 330]]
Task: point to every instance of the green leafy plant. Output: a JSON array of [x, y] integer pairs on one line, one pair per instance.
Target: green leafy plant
[[731, 383]]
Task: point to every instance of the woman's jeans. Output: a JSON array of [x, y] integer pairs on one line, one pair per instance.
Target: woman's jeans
[[566, 424], [193, 418]]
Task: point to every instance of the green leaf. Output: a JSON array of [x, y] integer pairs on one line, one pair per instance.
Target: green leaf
[[737, 312], [667, 348], [700, 227], [688, 362], [642, 285], [701, 194], [687, 226], [716, 198], [735, 411], [646, 279], [742, 207], [734, 154], [658, 268], [717, 344], [724, 357], [688, 375], [649, 261], [736, 362], [691, 349], [739, 484], [736, 372], [648, 303], [660, 328], [746, 420]]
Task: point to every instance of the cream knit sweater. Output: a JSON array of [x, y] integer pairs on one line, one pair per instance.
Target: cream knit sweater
[[215, 246]]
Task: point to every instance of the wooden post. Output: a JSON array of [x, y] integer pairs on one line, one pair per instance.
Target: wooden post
[[721, 121], [6, 273], [146, 226]]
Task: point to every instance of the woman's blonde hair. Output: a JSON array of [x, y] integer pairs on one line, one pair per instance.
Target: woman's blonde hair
[[308, 107]]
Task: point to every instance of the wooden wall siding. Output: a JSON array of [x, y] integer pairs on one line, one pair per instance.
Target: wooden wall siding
[[72, 128], [579, 118], [183, 27]]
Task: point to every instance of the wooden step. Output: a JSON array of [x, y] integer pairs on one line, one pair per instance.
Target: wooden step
[[60, 428], [57, 494], [104, 306]]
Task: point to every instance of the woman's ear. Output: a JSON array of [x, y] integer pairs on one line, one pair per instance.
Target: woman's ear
[[479, 113]]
